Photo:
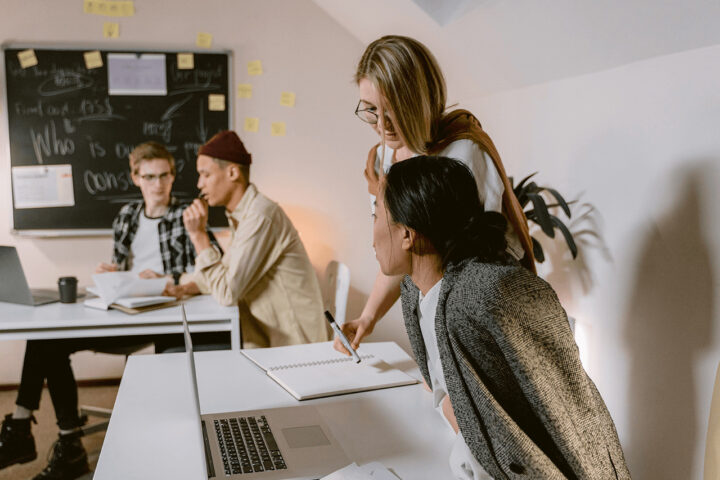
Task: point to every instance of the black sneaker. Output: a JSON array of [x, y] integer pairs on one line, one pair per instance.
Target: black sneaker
[[17, 444], [67, 459]]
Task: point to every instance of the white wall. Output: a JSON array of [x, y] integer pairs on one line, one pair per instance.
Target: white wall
[[641, 144], [315, 172]]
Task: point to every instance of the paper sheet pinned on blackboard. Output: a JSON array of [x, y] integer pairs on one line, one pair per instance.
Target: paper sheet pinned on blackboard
[[131, 74], [42, 186]]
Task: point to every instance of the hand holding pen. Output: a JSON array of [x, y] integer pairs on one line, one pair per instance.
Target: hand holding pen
[[341, 336]]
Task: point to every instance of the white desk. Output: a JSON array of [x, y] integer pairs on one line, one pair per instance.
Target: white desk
[[74, 320], [151, 432]]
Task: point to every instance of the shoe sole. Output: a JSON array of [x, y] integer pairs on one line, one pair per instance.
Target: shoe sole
[[27, 459]]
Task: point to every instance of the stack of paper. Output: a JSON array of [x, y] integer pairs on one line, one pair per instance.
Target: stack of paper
[[127, 292]]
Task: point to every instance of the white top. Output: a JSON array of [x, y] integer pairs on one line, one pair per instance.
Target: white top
[[145, 247], [489, 183], [462, 462]]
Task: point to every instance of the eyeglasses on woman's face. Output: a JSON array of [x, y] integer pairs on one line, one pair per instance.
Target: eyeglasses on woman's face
[[369, 115]]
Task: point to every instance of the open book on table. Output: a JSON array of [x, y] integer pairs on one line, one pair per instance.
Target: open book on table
[[127, 292], [317, 370]]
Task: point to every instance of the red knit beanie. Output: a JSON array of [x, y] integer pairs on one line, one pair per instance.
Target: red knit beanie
[[226, 145]]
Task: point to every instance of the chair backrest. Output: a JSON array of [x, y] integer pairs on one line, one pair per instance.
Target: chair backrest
[[712, 441], [336, 286]]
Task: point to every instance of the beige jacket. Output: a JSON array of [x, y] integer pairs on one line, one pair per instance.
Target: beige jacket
[[267, 273]]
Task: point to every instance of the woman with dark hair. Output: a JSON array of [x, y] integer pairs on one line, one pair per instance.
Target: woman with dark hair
[[403, 99], [490, 337]]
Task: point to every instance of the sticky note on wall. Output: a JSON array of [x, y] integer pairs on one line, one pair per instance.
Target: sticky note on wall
[[287, 99], [111, 30], [255, 67], [93, 60], [109, 8], [244, 90], [27, 58], [277, 129], [216, 102], [252, 124], [204, 40], [186, 61]]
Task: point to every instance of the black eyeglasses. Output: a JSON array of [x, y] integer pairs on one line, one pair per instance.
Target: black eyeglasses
[[369, 115], [150, 177]]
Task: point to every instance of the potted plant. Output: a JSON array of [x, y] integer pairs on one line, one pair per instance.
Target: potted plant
[[530, 193]]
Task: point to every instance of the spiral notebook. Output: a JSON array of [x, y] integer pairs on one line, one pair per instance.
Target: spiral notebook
[[316, 370]]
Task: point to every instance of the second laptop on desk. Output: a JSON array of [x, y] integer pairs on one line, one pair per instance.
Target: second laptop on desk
[[316, 370]]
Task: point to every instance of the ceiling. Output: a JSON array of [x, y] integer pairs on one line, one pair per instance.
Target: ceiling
[[486, 46]]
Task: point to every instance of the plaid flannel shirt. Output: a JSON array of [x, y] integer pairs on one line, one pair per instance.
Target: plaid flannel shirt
[[176, 249]]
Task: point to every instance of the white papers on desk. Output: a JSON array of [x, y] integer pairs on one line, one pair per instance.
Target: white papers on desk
[[126, 289], [370, 471]]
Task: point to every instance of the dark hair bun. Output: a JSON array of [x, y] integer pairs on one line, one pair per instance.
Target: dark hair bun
[[482, 237]]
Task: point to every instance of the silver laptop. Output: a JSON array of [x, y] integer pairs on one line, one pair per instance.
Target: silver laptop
[[13, 284], [268, 444]]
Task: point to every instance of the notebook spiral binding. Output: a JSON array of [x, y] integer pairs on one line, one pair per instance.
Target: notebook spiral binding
[[320, 362]]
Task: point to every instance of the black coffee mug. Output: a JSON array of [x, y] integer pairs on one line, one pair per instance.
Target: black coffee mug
[[68, 289]]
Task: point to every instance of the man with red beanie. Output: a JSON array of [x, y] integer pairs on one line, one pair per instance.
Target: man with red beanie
[[265, 270]]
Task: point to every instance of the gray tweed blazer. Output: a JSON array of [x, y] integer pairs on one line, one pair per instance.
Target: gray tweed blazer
[[522, 399]]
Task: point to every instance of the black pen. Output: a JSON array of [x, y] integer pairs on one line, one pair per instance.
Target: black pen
[[342, 336]]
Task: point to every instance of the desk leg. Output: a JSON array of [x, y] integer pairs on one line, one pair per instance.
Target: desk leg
[[235, 334]]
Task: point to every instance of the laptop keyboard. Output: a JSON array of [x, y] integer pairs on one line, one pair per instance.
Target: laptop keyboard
[[247, 445]]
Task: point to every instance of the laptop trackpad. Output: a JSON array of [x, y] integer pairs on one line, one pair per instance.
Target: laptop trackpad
[[301, 437]]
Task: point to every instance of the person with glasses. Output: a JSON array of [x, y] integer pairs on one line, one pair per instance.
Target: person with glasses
[[149, 239], [149, 235], [403, 99]]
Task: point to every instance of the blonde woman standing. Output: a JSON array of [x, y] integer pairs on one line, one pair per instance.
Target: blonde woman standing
[[402, 98]]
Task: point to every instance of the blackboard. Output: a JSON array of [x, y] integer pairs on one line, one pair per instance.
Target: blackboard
[[60, 112]]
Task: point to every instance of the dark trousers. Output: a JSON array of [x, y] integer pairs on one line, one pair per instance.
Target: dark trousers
[[49, 360]]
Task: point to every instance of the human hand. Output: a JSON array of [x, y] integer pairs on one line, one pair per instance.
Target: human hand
[[355, 331], [179, 291], [426, 387], [106, 267], [195, 216], [449, 413], [150, 274]]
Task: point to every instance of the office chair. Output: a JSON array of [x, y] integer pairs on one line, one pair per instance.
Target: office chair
[[712, 441], [336, 287]]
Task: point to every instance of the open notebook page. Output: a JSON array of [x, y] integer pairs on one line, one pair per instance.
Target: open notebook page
[[317, 370]]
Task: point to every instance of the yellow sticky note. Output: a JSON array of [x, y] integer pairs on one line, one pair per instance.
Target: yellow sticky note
[[277, 129], [244, 90], [111, 30], [27, 58], [252, 124], [216, 102], [203, 40], [109, 8], [287, 99], [93, 59], [186, 61], [255, 67]]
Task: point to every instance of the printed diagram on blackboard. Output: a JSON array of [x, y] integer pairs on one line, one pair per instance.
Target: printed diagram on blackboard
[[78, 113], [130, 74]]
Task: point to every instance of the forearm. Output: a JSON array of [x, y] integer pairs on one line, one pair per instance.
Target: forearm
[[200, 240], [384, 294]]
